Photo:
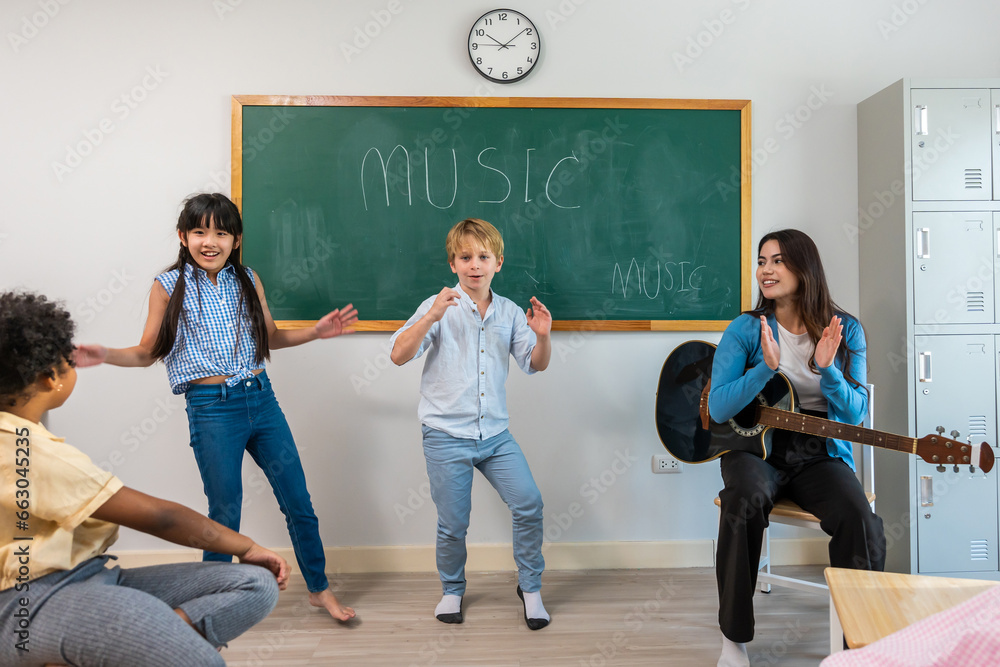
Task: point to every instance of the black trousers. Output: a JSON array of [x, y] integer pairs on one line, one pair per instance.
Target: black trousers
[[798, 468]]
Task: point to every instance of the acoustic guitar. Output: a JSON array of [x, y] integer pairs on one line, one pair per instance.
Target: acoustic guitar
[[689, 434]]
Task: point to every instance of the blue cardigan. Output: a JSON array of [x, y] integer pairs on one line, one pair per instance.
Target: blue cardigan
[[739, 351]]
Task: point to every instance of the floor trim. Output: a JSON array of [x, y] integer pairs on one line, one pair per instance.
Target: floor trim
[[494, 557]]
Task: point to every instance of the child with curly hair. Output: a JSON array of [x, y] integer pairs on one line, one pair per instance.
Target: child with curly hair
[[60, 602]]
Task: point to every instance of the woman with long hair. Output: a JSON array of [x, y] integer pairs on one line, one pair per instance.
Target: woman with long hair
[[798, 330]]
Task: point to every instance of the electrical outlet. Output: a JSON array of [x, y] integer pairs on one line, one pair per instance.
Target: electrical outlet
[[663, 463]]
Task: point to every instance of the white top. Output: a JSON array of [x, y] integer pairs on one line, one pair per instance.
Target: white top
[[796, 352]]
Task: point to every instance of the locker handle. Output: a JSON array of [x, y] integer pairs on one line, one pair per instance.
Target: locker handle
[[924, 243], [996, 119], [924, 367], [926, 491], [920, 119]]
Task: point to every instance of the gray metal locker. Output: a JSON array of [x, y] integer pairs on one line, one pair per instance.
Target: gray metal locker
[[995, 113], [956, 385], [928, 198], [996, 268], [950, 151], [953, 268], [951, 536], [951, 533]]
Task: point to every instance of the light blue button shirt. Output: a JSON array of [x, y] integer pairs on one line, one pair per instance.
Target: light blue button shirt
[[462, 389]]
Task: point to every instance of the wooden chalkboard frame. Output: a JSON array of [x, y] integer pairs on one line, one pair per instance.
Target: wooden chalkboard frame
[[743, 106]]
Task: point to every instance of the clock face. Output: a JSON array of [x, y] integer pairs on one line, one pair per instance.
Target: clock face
[[504, 45]]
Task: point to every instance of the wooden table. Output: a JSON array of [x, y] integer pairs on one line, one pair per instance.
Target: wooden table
[[872, 605]]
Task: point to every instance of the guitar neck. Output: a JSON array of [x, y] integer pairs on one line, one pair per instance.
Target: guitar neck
[[826, 428]]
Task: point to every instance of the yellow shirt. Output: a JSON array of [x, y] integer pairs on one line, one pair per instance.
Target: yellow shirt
[[52, 488]]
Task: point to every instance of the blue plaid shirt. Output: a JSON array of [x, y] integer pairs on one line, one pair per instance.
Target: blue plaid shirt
[[462, 389], [206, 342]]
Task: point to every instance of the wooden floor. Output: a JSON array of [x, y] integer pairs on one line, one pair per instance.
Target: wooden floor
[[599, 618]]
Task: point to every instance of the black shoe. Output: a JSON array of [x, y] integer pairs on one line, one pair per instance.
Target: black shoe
[[533, 623], [453, 617]]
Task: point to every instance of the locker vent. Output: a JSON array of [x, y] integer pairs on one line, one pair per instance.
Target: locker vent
[[973, 179], [977, 426], [975, 302], [979, 549]]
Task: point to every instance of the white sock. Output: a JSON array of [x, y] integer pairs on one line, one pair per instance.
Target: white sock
[[734, 654], [449, 604], [533, 606]]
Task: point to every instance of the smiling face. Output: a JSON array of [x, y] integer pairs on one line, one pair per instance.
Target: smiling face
[[210, 247], [775, 279], [475, 266]]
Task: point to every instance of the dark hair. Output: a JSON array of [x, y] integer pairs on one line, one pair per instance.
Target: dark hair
[[201, 211], [36, 337], [801, 256]]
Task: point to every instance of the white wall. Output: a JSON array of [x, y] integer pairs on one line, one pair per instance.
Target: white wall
[[98, 233]]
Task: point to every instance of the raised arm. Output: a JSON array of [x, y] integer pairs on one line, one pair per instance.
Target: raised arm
[[408, 341], [178, 524], [847, 399], [736, 379], [137, 355], [334, 323]]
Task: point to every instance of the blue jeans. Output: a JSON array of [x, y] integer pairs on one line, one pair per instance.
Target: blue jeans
[[450, 464], [225, 422]]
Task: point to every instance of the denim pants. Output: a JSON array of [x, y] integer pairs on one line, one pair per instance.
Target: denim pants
[[94, 615], [225, 422], [450, 464]]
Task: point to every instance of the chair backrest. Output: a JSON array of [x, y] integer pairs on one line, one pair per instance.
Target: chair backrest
[[864, 455]]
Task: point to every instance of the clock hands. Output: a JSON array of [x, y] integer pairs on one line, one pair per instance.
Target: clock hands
[[504, 45]]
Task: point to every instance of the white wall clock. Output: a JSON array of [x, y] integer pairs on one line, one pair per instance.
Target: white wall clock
[[504, 45]]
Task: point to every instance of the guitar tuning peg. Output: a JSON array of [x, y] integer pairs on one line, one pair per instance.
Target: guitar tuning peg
[[972, 468], [956, 467], [940, 430], [940, 468], [955, 434]]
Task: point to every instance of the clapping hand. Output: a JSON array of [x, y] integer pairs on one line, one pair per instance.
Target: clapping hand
[[826, 348], [768, 346]]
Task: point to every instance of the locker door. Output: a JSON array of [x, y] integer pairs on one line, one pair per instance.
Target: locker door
[[996, 265], [953, 268], [995, 123], [950, 151], [957, 511]]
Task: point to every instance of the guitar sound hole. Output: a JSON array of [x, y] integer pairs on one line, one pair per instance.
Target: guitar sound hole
[[745, 424]]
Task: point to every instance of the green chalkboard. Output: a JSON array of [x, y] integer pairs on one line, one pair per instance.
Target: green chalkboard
[[617, 214]]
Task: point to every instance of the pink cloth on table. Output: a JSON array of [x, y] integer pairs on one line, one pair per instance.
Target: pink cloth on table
[[966, 635]]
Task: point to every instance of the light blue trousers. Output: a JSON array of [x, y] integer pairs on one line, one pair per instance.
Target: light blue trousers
[[450, 465]]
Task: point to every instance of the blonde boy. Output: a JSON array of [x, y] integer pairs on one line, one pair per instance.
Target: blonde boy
[[469, 333]]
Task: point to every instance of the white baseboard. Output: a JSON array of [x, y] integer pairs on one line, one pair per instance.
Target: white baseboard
[[494, 557]]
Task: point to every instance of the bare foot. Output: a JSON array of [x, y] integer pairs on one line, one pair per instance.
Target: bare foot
[[328, 600]]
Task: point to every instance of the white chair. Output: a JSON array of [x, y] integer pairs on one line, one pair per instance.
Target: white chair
[[788, 513]]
